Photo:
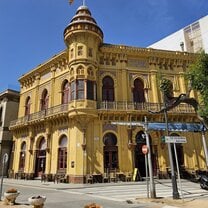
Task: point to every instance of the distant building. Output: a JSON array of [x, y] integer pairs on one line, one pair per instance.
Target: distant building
[[191, 38], [9, 104]]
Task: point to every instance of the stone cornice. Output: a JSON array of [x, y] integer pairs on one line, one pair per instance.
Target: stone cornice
[[146, 52], [56, 59]]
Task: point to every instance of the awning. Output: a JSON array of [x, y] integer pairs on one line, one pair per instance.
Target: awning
[[190, 127]]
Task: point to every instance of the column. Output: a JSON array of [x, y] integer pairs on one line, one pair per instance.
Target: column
[[154, 86]]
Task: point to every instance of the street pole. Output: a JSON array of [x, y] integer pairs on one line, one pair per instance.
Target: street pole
[[4, 161], [2, 177], [152, 185], [205, 147], [178, 171], [147, 177], [173, 176]]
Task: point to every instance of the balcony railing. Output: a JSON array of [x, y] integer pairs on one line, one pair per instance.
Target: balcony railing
[[59, 109], [103, 106], [126, 106]]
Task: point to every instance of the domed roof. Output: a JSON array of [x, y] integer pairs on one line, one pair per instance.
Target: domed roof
[[83, 21]]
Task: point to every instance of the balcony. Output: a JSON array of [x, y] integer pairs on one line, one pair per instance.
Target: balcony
[[121, 106], [41, 115], [131, 106]]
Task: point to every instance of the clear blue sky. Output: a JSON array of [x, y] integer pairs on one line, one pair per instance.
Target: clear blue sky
[[31, 31]]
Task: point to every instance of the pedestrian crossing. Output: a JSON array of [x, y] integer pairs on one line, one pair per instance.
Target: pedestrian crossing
[[132, 191]]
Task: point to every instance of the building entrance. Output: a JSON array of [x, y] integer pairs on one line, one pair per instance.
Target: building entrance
[[110, 152], [40, 163], [140, 157], [40, 158]]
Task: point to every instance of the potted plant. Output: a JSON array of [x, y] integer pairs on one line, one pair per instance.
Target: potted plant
[[37, 201], [93, 205], [10, 196]]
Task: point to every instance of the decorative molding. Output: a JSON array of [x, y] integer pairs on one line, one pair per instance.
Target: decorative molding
[[107, 127], [137, 63]]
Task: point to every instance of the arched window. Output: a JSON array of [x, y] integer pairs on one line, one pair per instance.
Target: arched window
[[22, 156], [108, 89], [27, 106], [42, 144], [138, 91], [170, 88], [62, 154], [44, 100], [65, 92], [110, 151]]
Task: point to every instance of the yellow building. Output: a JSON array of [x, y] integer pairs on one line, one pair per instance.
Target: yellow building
[[68, 103]]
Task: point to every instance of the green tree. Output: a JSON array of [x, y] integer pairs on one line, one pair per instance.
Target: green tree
[[197, 76]]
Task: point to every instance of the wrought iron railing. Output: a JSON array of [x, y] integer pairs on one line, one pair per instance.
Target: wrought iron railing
[[124, 105], [59, 109], [103, 106]]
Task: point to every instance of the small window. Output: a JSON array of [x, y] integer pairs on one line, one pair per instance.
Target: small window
[[90, 52], [72, 53], [80, 51]]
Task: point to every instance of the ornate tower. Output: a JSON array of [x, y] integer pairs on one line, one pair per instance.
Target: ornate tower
[[83, 37]]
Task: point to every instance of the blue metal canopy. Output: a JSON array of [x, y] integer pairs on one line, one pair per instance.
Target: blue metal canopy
[[191, 127]]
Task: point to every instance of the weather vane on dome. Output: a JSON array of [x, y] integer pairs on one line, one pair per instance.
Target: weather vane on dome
[[71, 1]]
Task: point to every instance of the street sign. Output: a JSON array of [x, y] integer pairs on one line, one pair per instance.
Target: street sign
[[144, 149], [175, 139], [5, 158]]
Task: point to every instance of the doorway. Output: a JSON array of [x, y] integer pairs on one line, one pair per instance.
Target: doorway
[[140, 157], [40, 158], [110, 152]]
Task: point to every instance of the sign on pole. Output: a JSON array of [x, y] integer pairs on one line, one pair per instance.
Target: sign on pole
[[5, 158], [144, 149], [175, 139]]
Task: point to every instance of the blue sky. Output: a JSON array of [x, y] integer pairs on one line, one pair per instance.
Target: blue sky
[[31, 31]]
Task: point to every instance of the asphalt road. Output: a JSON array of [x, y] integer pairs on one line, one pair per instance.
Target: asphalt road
[[114, 195], [64, 198]]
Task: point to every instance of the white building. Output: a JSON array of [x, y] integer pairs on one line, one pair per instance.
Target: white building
[[191, 38]]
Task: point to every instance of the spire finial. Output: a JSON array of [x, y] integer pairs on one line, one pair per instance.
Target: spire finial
[[83, 2]]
